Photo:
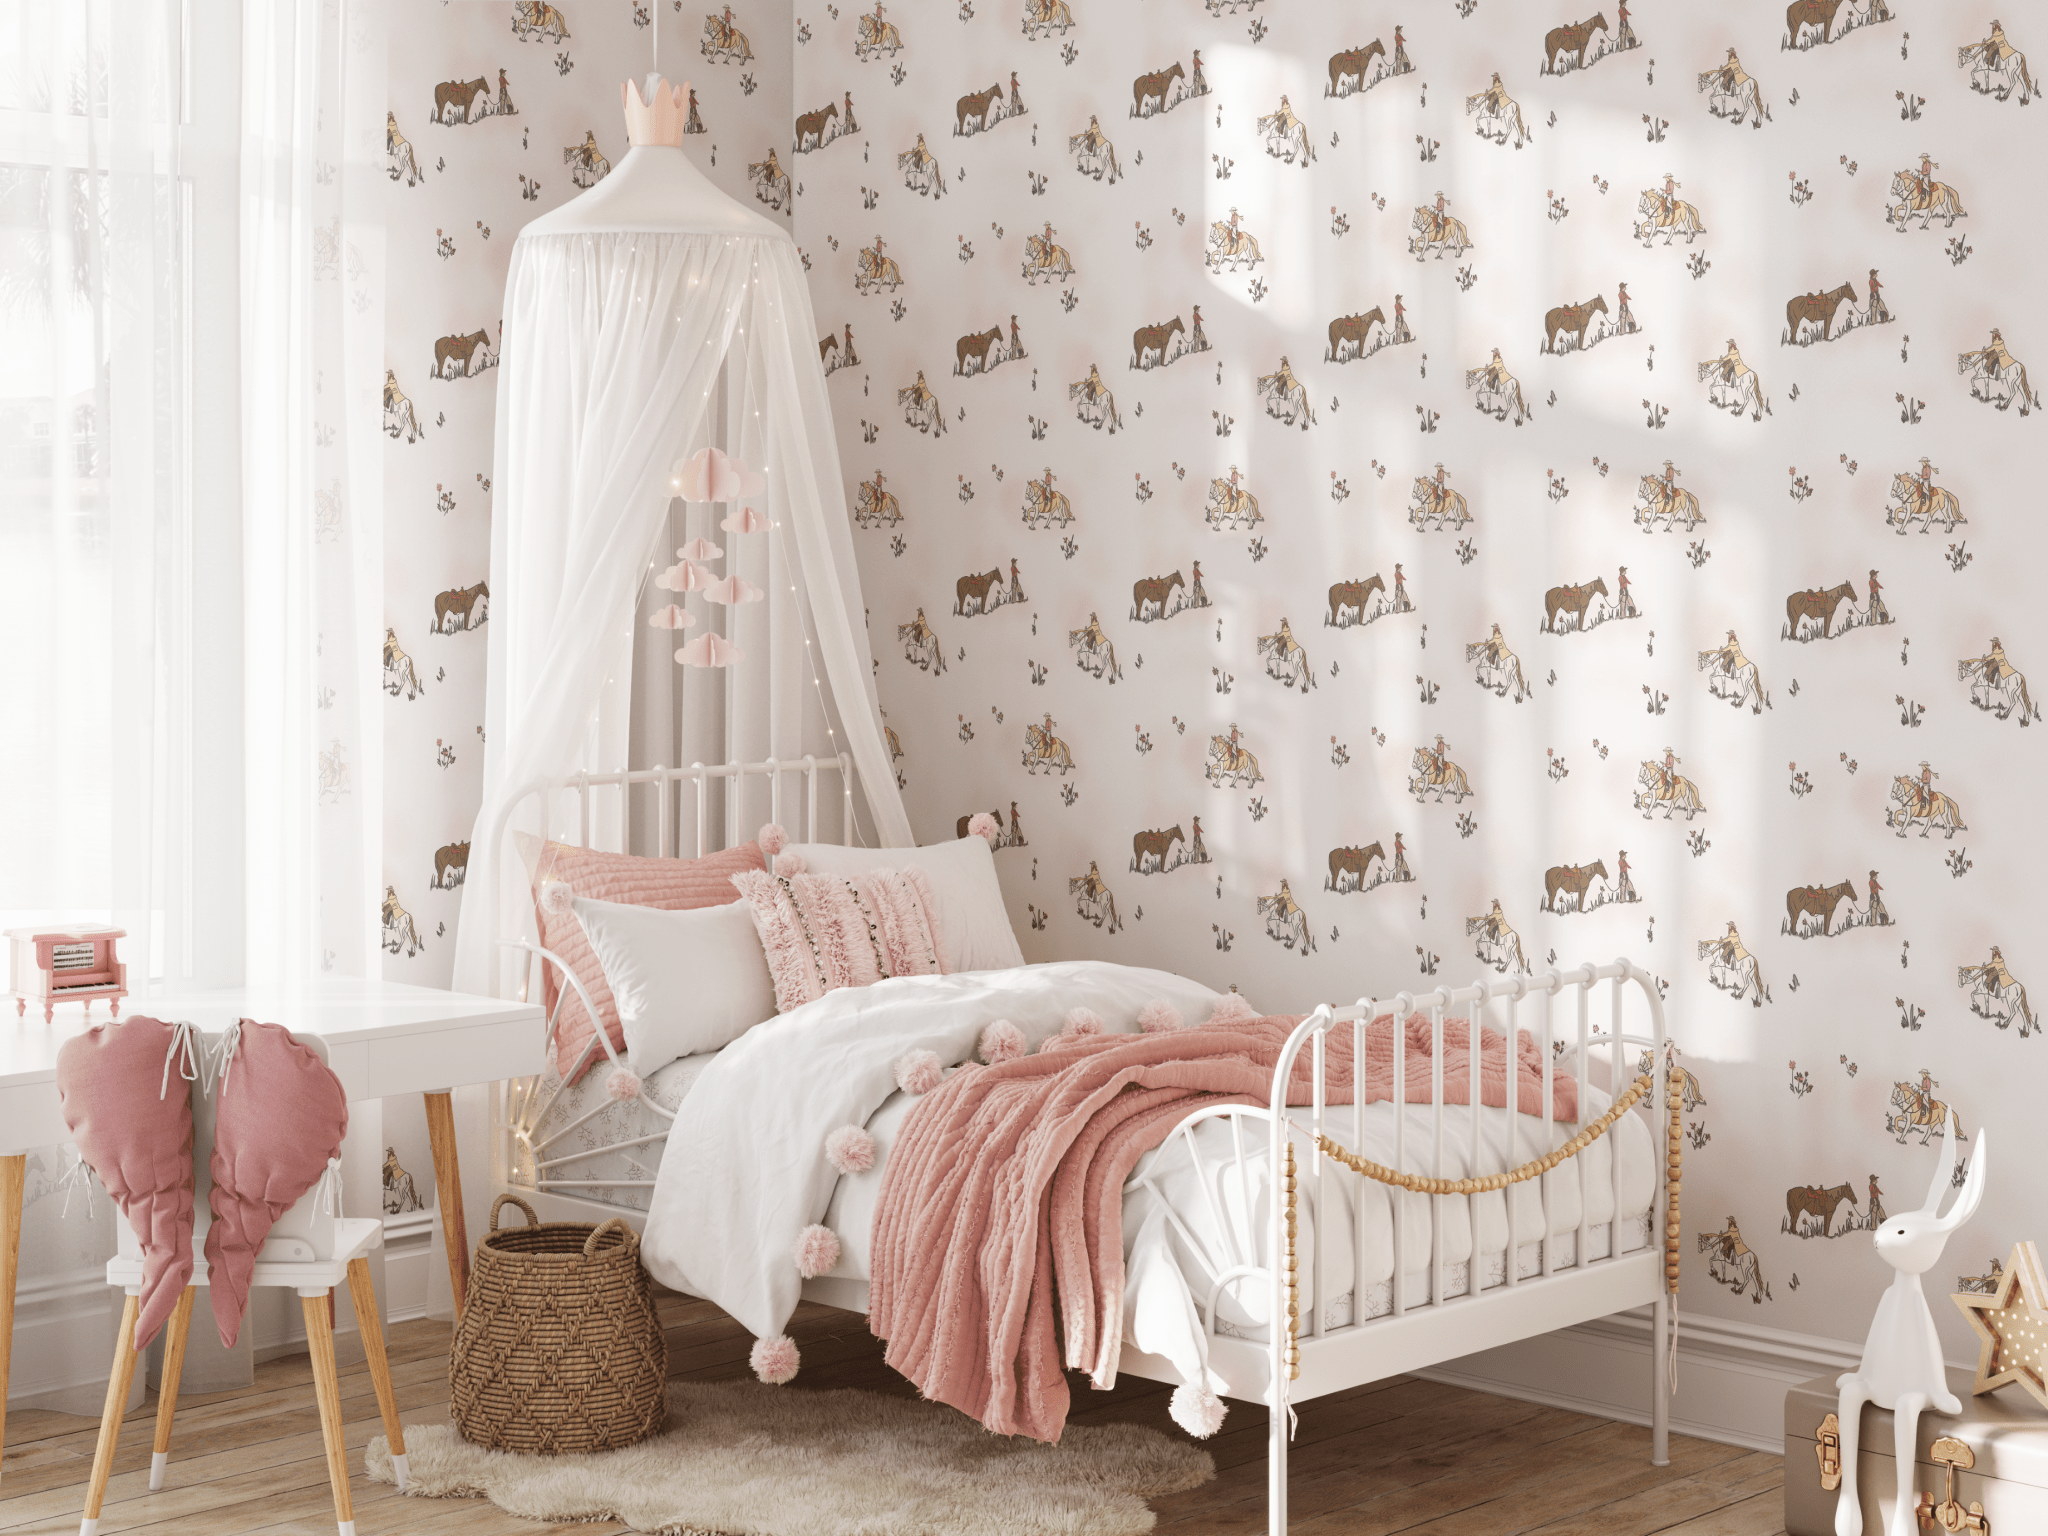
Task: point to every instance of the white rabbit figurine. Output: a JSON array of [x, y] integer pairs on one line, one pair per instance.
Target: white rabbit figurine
[[1902, 1367]]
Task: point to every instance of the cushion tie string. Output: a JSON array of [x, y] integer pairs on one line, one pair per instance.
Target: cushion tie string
[[188, 1051], [77, 1177], [328, 1194], [224, 1054]]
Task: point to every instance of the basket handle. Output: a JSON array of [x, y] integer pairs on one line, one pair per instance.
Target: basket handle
[[590, 1242], [532, 1220]]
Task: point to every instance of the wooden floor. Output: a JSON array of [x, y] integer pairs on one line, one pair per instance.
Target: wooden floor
[[1405, 1455]]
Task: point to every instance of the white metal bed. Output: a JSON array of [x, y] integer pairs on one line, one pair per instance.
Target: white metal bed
[[1287, 1367]]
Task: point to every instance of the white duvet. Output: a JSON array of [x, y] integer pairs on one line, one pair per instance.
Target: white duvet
[[744, 1170]]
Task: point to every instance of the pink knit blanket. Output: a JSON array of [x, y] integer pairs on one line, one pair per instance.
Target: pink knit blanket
[[1000, 1223]]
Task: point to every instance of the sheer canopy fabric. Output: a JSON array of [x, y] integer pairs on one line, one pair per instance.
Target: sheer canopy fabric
[[621, 352]]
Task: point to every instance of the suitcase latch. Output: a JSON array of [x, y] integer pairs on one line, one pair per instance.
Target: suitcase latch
[[1827, 1450], [1950, 1515]]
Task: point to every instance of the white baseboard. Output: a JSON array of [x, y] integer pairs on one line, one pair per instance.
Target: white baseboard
[[1732, 1377]]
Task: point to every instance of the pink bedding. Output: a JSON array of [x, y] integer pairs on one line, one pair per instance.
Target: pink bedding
[[1001, 1207]]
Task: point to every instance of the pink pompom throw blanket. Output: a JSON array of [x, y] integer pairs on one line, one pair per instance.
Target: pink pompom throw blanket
[[1001, 1207]]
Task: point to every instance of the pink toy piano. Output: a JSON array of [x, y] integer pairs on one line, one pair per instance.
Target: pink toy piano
[[53, 966]]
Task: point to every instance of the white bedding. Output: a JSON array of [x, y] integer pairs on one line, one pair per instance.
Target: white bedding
[[743, 1170]]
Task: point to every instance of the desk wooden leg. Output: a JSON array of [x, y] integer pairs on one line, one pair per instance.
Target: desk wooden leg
[[13, 1182], [364, 1294], [448, 1189], [327, 1386], [118, 1381], [167, 1389]]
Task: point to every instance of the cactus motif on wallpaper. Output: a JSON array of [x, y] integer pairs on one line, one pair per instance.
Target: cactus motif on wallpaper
[[587, 164], [400, 163], [1733, 676], [1043, 749], [1995, 995], [1496, 115], [535, 21], [875, 35], [1497, 668], [1093, 153], [1360, 69], [921, 171], [1996, 67], [1997, 377], [1093, 902], [1731, 968], [1997, 685], [1093, 652], [1496, 943], [1498, 392], [921, 645], [1733, 94], [1093, 403], [771, 183]]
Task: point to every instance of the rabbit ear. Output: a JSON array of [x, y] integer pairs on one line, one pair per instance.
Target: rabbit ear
[[1944, 1165], [1973, 1189]]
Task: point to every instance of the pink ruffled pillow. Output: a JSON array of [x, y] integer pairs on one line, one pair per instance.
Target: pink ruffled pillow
[[822, 932], [672, 885]]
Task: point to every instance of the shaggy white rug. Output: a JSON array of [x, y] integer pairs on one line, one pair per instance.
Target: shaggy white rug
[[743, 1459]]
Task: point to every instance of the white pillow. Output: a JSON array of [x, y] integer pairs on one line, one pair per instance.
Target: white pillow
[[685, 982], [976, 928]]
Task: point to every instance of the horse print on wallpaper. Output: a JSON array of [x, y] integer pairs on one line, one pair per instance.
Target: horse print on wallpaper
[[1683, 290]]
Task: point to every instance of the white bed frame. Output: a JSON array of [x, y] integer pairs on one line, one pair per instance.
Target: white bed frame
[[1417, 1331]]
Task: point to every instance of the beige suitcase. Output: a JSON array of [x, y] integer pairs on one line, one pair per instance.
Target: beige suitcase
[[1995, 1454]]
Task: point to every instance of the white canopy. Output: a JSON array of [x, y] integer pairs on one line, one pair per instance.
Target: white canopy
[[647, 318]]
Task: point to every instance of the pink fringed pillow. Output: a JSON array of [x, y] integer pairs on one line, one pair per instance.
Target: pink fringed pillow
[[672, 885], [822, 932]]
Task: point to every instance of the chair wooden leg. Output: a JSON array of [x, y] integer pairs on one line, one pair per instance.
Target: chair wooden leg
[[119, 1379], [448, 1190], [13, 1179], [167, 1391], [327, 1387], [364, 1294]]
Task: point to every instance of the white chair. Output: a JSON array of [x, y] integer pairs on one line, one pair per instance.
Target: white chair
[[311, 1249]]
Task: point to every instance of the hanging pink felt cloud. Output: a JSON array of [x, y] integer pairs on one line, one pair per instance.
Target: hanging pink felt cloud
[[684, 577], [733, 590], [700, 549], [709, 475], [745, 520], [710, 650], [280, 1114], [671, 617], [127, 1106]]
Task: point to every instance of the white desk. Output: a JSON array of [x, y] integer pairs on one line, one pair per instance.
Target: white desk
[[384, 1038]]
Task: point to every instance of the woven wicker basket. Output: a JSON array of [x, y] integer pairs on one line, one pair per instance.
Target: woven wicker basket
[[559, 1349]]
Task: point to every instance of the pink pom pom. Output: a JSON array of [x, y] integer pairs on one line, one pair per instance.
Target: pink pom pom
[[817, 1250], [1158, 1016], [983, 825], [1082, 1021], [772, 839], [622, 1084], [555, 896], [787, 864], [1233, 1009], [1002, 1041], [1196, 1410], [918, 1071], [775, 1360], [850, 1149]]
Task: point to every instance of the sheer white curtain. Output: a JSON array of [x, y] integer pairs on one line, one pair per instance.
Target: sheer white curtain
[[615, 349], [312, 547], [93, 225]]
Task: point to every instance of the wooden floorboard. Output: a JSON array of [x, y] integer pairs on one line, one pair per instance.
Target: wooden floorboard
[[1396, 1458]]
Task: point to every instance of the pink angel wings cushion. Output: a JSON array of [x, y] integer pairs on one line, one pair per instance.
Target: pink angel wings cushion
[[280, 1115], [130, 1112]]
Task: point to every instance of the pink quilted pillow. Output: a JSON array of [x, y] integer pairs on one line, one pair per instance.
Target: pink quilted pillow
[[672, 885], [822, 932], [280, 1114], [130, 1111]]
